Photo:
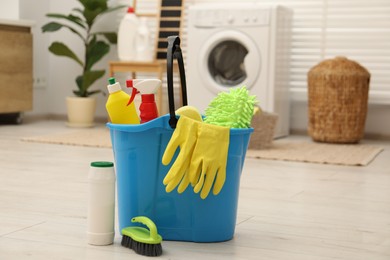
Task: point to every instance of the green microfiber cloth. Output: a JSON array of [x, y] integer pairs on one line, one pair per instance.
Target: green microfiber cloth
[[232, 109]]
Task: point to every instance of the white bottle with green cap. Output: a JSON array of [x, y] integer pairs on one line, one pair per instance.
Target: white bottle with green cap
[[101, 203]]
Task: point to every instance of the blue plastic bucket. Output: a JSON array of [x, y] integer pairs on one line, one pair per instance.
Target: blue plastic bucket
[[138, 150]]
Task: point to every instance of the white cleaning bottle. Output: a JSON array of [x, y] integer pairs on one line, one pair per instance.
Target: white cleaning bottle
[[127, 34], [101, 204], [148, 88], [143, 42]]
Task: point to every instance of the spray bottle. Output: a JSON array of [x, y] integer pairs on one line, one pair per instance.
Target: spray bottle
[[147, 88], [120, 105]]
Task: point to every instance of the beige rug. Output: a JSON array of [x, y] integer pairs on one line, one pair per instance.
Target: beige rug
[[283, 149], [308, 151], [93, 137]]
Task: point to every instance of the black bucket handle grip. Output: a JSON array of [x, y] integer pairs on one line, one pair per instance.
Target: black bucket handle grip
[[174, 51]]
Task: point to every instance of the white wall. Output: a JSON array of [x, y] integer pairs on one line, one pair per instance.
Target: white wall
[[35, 11], [9, 9], [61, 72]]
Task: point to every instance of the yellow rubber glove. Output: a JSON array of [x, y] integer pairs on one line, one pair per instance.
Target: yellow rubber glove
[[184, 137], [209, 159]]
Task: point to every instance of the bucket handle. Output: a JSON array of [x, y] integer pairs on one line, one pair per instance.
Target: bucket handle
[[174, 51]]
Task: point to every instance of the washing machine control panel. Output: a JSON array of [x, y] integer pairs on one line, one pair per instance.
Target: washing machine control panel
[[237, 17]]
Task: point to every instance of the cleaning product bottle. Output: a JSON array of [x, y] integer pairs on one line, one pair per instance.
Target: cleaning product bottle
[[101, 204], [127, 36], [120, 105], [147, 88], [144, 51]]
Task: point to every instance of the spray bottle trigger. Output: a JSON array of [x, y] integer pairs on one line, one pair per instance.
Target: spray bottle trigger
[[134, 91]]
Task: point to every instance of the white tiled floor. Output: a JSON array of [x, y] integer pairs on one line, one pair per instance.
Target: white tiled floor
[[286, 210]]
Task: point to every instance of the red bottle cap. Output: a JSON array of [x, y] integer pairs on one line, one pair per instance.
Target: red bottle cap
[[130, 10], [129, 83], [147, 98]]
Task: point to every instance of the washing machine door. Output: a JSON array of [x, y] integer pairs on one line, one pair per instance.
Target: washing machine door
[[229, 59]]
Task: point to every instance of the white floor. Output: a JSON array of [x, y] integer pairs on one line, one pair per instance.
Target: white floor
[[286, 210]]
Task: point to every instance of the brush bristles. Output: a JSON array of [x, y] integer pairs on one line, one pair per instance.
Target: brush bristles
[[142, 248]]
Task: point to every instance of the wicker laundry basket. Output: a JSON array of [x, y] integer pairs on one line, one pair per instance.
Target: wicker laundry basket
[[264, 124], [338, 97]]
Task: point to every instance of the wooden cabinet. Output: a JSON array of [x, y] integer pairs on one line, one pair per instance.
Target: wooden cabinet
[[16, 78]]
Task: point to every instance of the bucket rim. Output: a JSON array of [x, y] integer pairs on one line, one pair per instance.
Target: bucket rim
[[162, 122], [159, 122]]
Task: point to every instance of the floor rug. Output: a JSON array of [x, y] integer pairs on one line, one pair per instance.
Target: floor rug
[[93, 137], [308, 151], [283, 149]]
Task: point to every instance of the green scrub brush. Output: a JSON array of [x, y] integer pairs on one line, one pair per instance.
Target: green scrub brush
[[232, 109], [141, 240]]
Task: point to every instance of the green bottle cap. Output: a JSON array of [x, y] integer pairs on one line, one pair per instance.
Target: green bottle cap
[[102, 164], [111, 81]]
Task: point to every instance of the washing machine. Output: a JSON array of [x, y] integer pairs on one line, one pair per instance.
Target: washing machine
[[234, 44]]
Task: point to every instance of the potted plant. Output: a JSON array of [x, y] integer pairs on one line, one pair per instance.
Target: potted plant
[[96, 45]]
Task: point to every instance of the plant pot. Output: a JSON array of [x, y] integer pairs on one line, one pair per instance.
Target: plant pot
[[81, 111]]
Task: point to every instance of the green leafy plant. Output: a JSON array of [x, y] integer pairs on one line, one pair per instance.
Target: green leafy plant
[[96, 44]]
